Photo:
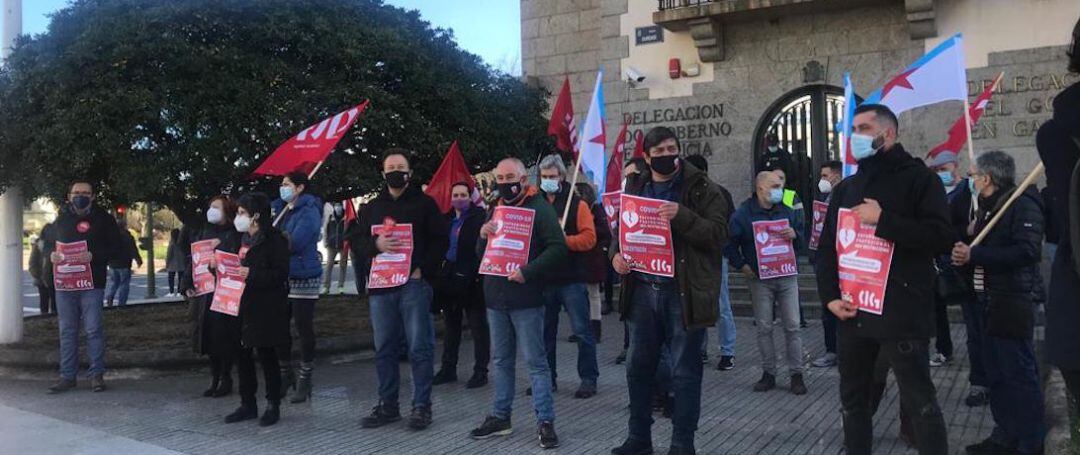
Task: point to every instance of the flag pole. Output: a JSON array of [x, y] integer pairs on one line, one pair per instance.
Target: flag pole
[[1016, 195], [573, 186], [967, 120]]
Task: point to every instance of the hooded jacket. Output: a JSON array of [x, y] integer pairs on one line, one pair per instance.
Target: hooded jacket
[[302, 225]]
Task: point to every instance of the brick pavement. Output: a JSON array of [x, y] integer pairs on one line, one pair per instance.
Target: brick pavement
[[166, 410]]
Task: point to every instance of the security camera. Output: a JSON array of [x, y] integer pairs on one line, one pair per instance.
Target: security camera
[[634, 76]]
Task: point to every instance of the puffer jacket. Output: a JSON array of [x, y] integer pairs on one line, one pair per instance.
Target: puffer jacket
[[302, 225]]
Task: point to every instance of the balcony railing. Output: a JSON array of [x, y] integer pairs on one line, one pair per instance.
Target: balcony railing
[[672, 4]]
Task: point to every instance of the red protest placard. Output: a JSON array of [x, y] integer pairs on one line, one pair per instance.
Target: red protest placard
[[201, 276], [230, 285], [390, 270], [508, 249], [73, 272], [645, 237], [775, 254], [863, 262], [820, 209], [611, 208]]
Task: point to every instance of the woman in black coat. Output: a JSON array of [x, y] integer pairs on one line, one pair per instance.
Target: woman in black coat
[[1058, 142], [264, 317], [458, 291], [214, 334]]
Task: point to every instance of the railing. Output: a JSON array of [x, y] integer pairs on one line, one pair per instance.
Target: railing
[[672, 4]]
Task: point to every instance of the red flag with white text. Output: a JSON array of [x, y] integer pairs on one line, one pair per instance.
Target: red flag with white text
[[562, 124], [311, 146]]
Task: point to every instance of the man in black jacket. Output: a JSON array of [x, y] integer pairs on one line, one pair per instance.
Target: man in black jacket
[[906, 202], [1004, 269], [408, 304], [81, 221], [120, 267]]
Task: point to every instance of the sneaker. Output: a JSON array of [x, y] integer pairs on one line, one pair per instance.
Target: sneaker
[[492, 427], [621, 358], [939, 360], [727, 362], [62, 386], [476, 381], [633, 447], [420, 418], [547, 436], [798, 387], [97, 383], [989, 447], [977, 398], [444, 376], [767, 382], [827, 360], [704, 357], [242, 413], [573, 338], [381, 415], [586, 390]]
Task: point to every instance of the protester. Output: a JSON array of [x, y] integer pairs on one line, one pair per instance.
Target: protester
[[264, 310], [675, 310], [906, 201], [405, 307], [725, 323], [299, 217], [40, 268], [214, 334], [515, 307], [334, 241], [831, 174], [766, 204], [949, 289], [119, 284], [174, 260], [565, 286], [1058, 142], [458, 292], [1005, 275], [775, 157], [81, 220]]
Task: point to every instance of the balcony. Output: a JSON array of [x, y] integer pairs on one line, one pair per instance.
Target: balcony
[[704, 19]]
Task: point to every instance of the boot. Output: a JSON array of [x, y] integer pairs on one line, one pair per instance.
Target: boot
[[246, 411], [224, 388], [595, 326], [288, 379], [215, 383], [272, 414], [303, 388]]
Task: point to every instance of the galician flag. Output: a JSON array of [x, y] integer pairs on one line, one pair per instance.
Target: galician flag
[[849, 162], [594, 139], [938, 76]]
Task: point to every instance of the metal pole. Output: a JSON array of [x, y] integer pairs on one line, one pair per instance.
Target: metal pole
[[11, 213], [148, 239]]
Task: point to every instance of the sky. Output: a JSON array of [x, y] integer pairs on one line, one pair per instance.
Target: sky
[[488, 28]]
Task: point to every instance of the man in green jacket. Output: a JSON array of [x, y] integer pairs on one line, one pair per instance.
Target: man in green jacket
[[672, 313], [515, 307]]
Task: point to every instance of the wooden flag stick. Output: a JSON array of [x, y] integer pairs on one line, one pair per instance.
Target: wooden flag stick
[[570, 197], [1016, 194]]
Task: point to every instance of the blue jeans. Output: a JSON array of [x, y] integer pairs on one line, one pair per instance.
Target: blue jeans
[[525, 327], [73, 307], [655, 321], [406, 308], [725, 324], [575, 298], [1016, 400], [118, 286], [975, 320]]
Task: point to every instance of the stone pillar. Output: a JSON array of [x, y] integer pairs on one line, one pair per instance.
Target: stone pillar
[[11, 211]]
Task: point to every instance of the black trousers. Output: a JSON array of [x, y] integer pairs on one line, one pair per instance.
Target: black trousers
[[245, 369], [47, 299], [455, 310], [172, 282], [943, 340], [221, 366], [303, 316], [909, 360]]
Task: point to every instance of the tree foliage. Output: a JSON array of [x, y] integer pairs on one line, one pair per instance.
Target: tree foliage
[[175, 101]]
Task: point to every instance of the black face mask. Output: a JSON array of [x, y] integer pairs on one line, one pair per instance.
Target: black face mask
[[80, 202], [509, 191], [665, 165], [397, 179]]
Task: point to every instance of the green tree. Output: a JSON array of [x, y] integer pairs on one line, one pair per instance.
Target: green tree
[[175, 101]]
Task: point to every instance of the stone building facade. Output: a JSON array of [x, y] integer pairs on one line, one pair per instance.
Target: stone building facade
[[749, 67]]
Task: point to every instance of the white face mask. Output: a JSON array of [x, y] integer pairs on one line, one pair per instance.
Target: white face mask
[[773, 148], [242, 223], [213, 215], [824, 186]]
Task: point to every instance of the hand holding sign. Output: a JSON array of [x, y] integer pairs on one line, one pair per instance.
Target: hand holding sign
[[668, 210], [869, 211], [843, 310], [619, 264]]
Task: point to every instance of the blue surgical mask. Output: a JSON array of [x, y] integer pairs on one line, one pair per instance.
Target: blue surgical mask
[[862, 146], [287, 193], [550, 186], [776, 195], [947, 178], [971, 185]]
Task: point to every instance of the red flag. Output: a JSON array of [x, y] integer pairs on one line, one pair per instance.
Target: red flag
[[615, 164], [562, 124], [452, 170], [639, 145], [958, 133], [350, 215], [306, 150]]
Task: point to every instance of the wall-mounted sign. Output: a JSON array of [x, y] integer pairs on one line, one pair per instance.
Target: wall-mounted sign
[[648, 35]]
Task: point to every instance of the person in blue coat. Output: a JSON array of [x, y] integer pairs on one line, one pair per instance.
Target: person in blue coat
[[298, 214]]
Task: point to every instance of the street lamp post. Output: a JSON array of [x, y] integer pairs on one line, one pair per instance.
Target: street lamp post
[[11, 213]]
